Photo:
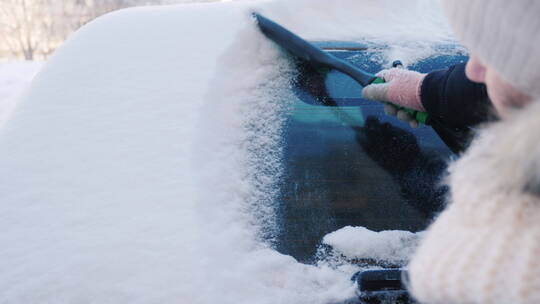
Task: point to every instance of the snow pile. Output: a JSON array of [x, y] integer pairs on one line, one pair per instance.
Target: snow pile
[[143, 163], [360, 243], [412, 27], [14, 77]]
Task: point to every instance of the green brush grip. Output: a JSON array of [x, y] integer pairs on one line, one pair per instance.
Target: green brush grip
[[378, 80], [421, 117]]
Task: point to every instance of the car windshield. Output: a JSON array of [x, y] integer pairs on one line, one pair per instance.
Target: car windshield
[[352, 165]]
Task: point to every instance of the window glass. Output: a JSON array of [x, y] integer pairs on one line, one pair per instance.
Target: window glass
[[353, 165]]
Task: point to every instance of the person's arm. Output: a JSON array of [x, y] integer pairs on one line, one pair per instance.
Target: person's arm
[[450, 97], [453, 102]]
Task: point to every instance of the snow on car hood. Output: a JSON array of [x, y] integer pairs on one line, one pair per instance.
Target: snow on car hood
[[393, 246], [142, 164]]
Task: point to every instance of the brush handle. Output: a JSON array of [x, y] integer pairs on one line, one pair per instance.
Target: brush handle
[[421, 117]]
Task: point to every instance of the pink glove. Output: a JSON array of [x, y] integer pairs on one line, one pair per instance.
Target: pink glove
[[402, 88]]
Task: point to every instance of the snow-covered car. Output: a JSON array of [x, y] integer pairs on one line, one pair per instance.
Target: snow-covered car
[[162, 155]]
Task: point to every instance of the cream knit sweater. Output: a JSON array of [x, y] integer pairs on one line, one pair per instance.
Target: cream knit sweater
[[485, 247]]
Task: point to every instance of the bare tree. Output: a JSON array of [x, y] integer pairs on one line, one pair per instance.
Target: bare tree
[[20, 25]]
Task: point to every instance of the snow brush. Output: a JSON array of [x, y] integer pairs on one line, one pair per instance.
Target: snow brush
[[310, 53]]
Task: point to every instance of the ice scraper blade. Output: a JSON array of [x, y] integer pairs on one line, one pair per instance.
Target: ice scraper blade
[[313, 55], [306, 51]]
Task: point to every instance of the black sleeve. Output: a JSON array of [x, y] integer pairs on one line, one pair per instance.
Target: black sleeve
[[454, 100]]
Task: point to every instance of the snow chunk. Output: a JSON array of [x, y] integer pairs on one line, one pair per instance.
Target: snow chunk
[[392, 246]]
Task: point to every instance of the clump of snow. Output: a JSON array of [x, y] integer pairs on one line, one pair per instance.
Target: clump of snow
[[255, 103], [394, 246], [144, 162], [14, 78]]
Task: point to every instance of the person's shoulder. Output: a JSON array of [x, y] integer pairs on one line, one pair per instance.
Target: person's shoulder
[[517, 135], [504, 159]]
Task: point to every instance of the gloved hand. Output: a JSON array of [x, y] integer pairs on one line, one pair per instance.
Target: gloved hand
[[401, 87]]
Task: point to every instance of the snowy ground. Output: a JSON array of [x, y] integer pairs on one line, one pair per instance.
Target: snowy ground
[[130, 172]]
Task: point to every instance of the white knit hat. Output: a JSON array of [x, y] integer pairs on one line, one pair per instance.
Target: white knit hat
[[504, 34], [485, 247]]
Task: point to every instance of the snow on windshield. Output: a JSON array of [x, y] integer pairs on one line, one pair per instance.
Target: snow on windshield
[[143, 163]]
